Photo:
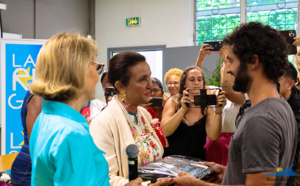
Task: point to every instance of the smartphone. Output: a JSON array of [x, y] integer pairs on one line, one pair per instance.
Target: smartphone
[[110, 91], [217, 45], [289, 35], [156, 102]]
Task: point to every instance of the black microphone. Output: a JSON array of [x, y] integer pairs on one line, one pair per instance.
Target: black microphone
[[132, 151]]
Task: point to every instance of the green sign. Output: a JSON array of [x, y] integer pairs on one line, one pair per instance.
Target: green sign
[[133, 21]]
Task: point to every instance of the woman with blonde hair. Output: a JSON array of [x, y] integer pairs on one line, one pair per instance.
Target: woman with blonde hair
[[172, 79], [66, 75]]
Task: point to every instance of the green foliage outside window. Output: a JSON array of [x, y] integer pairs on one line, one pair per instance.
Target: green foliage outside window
[[216, 18], [219, 17]]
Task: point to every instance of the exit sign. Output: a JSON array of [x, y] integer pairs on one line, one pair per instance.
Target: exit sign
[[133, 21]]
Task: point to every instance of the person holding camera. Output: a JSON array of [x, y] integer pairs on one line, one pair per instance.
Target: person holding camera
[[185, 125], [123, 121], [217, 150], [155, 106], [97, 105]]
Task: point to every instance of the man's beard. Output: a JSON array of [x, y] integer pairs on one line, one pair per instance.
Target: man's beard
[[242, 79]]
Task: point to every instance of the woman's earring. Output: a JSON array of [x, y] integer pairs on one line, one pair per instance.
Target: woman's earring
[[123, 96]]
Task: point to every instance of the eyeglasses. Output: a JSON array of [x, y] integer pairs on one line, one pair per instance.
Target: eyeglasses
[[155, 90], [100, 66], [172, 83]]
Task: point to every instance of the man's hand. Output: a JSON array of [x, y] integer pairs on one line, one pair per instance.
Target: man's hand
[[136, 182], [217, 175]]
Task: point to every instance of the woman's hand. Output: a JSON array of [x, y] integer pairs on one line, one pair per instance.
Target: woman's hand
[[221, 101], [185, 100], [204, 51], [162, 182], [186, 179], [297, 41], [146, 105], [166, 96], [136, 182], [223, 53]]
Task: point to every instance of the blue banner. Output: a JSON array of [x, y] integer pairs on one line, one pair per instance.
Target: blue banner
[[20, 60]]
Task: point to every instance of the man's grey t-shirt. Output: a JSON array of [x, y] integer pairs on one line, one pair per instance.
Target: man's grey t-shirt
[[265, 139]]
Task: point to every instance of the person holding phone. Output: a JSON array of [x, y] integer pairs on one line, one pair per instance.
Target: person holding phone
[[217, 150], [97, 105], [187, 126], [156, 92]]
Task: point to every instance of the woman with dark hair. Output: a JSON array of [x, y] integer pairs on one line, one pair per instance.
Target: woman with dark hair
[[123, 121], [185, 125], [156, 91]]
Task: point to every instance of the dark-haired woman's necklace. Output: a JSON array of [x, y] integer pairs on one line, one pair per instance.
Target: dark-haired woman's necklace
[[137, 127]]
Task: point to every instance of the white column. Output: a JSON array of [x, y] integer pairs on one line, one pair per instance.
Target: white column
[[244, 11], [298, 18]]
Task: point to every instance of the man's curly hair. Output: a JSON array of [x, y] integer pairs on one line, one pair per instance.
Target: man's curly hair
[[255, 38]]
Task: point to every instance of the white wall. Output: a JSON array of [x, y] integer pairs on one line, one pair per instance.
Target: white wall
[[163, 22], [50, 17]]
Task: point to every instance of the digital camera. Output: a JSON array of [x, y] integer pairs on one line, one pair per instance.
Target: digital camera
[[204, 100]]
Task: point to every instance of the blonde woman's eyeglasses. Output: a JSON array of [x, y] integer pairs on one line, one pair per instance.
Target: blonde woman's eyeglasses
[[100, 66]]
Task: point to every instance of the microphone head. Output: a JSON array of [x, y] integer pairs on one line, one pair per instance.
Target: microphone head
[[132, 151]]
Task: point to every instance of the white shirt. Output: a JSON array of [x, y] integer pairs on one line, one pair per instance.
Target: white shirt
[[229, 115], [96, 106]]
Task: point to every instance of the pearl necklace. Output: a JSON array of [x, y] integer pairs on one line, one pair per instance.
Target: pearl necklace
[[137, 127]]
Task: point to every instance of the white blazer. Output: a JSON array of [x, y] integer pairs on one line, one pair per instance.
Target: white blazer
[[111, 134]]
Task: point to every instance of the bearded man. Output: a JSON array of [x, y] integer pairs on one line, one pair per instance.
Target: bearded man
[[262, 150]]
